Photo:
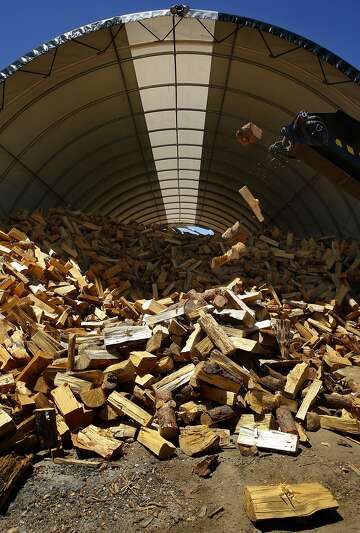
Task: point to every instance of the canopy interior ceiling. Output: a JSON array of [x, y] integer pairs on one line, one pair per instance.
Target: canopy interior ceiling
[[135, 116]]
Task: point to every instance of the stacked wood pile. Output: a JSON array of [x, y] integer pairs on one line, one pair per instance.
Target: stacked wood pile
[[87, 363]]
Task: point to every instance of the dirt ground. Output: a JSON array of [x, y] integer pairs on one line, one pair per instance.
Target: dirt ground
[[143, 493]]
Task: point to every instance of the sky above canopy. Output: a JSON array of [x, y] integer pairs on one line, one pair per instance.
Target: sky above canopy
[[334, 25]]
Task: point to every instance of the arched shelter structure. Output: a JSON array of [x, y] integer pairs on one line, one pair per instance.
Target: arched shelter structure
[[135, 117]]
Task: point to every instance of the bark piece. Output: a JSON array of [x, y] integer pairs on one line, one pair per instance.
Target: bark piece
[[205, 467], [216, 415], [286, 420]]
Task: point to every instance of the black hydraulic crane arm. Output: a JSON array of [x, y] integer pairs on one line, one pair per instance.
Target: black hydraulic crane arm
[[329, 142]]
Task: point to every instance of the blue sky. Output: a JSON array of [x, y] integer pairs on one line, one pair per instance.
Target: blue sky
[[333, 24]]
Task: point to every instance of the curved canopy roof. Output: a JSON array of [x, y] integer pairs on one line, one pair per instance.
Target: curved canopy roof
[[135, 117]]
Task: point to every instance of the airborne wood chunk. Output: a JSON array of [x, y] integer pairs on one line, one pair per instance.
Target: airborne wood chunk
[[264, 502], [197, 439], [99, 441], [236, 233], [252, 202], [12, 469], [295, 379], [236, 251], [216, 334], [129, 408], [152, 440]]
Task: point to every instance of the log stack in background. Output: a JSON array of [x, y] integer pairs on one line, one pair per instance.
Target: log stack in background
[[112, 333]]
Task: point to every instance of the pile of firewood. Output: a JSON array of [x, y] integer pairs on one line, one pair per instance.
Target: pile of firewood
[[111, 334]]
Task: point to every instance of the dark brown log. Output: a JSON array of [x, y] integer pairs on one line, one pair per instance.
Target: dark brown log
[[45, 421], [71, 351], [272, 383], [339, 401], [165, 412], [216, 415], [286, 420], [12, 469], [185, 394]]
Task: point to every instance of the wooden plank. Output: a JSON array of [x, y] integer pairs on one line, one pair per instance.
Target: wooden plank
[[268, 440]]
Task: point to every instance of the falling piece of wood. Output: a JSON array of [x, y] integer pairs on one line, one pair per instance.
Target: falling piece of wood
[[264, 502], [152, 440], [268, 440], [252, 202]]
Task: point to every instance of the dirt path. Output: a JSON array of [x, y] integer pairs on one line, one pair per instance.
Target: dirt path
[[144, 494]]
